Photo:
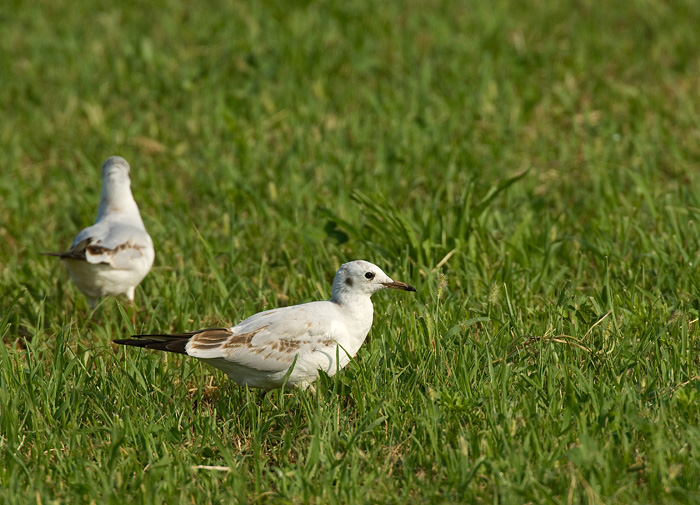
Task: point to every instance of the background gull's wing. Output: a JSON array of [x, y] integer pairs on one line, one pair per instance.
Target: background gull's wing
[[116, 245]]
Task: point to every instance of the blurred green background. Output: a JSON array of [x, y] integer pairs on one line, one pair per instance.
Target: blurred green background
[[532, 167]]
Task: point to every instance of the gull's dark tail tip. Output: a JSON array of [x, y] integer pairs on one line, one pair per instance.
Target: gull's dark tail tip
[[168, 343]]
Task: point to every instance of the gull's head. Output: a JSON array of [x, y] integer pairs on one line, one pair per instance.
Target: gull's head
[[115, 168], [363, 278], [116, 195]]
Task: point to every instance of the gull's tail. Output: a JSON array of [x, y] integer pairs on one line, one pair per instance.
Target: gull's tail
[[64, 255], [169, 343]]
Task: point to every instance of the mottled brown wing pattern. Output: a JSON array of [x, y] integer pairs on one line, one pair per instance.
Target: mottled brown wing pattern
[[219, 338], [97, 249]]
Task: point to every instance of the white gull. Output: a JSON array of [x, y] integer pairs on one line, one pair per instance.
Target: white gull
[[260, 351], [112, 256]]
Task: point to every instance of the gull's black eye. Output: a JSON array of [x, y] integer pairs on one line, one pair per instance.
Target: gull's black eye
[[369, 275]]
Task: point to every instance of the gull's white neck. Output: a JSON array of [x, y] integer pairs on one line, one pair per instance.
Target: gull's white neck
[[359, 312], [357, 307], [118, 202]]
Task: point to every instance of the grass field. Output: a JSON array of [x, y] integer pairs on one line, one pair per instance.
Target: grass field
[[531, 167]]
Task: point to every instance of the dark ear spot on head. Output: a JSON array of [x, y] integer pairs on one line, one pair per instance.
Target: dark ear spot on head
[[348, 281]]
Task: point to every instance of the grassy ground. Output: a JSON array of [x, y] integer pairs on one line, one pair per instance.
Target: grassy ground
[[532, 167]]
